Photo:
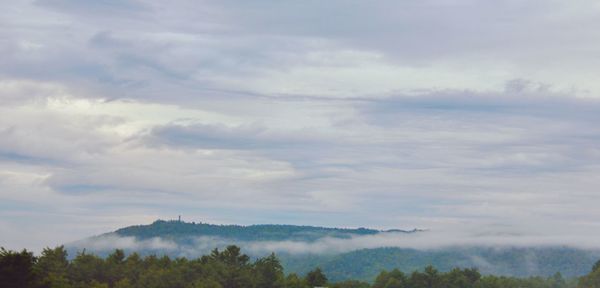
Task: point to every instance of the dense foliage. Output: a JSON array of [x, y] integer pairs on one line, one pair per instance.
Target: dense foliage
[[232, 269]]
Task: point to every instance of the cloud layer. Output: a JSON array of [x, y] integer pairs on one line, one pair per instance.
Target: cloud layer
[[422, 240], [390, 115]]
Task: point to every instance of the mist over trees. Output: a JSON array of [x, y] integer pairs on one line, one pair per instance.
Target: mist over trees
[[230, 268], [343, 254]]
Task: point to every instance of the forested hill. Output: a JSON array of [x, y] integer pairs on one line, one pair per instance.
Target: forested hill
[[364, 264], [178, 229]]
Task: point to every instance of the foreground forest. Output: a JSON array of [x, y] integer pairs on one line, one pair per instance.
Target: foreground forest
[[230, 268]]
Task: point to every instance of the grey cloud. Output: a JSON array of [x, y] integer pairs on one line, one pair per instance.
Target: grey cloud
[[53, 138], [424, 30], [184, 50], [436, 157], [245, 137], [105, 8], [210, 137], [521, 97]]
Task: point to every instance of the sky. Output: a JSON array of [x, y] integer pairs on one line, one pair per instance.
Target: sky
[[452, 115]]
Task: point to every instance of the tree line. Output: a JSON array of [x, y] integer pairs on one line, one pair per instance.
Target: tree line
[[230, 268]]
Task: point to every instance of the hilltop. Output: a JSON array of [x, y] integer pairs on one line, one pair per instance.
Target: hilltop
[[265, 232]]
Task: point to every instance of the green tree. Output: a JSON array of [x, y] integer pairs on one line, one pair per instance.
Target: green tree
[[269, 272], [52, 268], [350, 284], [293, 281], [86, 268], [429, 278], [393, 283], [208, 283], [115, 267], [232, 267], [16, 269], [96, 284], [123, 283], [231, 256], [596, 266], [557, 281], [133, 267], [316, 278], [392, 279], [458, 278], [591, 280]]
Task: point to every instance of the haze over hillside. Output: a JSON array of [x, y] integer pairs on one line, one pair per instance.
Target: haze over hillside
[[344, 253], [192, 239]]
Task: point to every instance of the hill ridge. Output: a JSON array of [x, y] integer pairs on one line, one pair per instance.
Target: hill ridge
[[255, 232]]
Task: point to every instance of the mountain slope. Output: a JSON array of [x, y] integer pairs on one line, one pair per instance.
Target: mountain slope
[[365, 264]]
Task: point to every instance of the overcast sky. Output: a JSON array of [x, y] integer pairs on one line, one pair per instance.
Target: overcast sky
[[389, 114]]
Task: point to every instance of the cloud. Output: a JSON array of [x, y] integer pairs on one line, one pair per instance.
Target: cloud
[[212, 137], [112, 242], [438, 159], [397, 114], [92, 8], [420, 240], [189, 50]]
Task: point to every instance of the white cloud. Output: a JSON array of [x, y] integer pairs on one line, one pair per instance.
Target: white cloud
[[469, 236], [112, 242]]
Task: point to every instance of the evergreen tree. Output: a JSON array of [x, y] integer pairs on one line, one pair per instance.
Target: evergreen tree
[[52, 268], [16, 269], [269, 272], [316, 278]]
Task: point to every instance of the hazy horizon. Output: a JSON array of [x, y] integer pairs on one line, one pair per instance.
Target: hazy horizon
[[415, 239], [462, 117]]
